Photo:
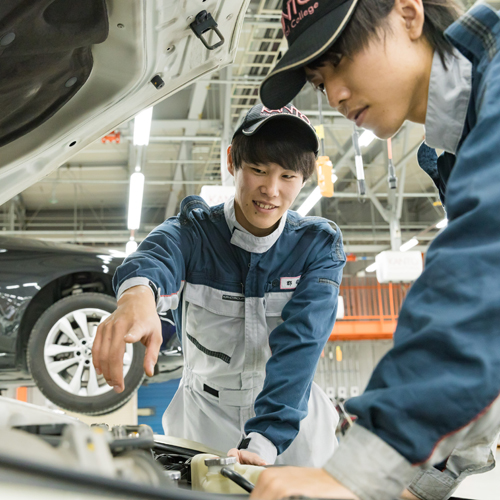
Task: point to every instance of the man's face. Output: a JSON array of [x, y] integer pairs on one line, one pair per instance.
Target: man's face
[[385, 83], [263, 194]]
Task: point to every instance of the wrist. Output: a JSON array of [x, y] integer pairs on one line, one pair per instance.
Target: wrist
[[135, 292], [260, 445], [138, 286]]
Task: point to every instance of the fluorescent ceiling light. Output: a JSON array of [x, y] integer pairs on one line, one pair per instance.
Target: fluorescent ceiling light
[[442, 224], [371, 268], [130, 247], [366, 138], [142, 127], [135, 200], [409, 244], [310, 201]]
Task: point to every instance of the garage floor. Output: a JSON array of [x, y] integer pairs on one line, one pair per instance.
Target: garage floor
[[483, 486]]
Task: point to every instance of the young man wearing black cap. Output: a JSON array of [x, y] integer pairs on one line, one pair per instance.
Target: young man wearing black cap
[[253, 288], [431, 411]]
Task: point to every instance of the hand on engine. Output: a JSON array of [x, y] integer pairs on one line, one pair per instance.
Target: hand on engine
[[246, 457]]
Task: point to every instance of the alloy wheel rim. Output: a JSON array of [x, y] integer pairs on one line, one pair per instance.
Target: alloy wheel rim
[[68, 353]]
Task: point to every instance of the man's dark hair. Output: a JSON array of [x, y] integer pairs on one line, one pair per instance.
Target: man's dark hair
[[370, 19], [277, 141]]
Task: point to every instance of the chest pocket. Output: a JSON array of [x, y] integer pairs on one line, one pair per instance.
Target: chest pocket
[[215, 325], [275, 302]]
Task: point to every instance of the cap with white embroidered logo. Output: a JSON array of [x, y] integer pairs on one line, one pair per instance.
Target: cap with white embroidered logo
[[311, 27], [259, 115]]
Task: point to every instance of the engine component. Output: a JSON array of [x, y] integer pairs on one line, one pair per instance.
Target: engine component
[[206, 474], [237, 478], [28, 434]]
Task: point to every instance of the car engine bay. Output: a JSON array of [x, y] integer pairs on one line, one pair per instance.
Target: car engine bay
[[46, 448]]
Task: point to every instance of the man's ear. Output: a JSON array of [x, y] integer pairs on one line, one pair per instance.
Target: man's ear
[[230, 165], [412, 14]]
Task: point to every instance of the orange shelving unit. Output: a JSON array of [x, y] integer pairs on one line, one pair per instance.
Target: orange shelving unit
[[371, 309]]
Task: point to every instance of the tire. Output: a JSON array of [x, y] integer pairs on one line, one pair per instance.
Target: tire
[[59, 336]]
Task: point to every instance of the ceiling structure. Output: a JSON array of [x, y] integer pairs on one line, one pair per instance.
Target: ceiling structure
[[85, 200]]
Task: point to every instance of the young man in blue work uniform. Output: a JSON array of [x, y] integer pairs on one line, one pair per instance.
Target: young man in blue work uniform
[[253, 288], [431, 411]]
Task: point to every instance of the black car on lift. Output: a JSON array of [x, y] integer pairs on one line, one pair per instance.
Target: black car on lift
[[52, 298]]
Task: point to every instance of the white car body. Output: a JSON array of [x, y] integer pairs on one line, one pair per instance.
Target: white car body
[[146, 38]]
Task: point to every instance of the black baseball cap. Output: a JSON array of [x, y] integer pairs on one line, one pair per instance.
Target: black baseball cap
[[259, 114], [310, 27]]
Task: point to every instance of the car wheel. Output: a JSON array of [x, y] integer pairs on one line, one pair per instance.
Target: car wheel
[[60, 356]]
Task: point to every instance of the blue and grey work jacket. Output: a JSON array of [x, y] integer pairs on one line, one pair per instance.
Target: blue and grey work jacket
[[434, 398], [285, 286]]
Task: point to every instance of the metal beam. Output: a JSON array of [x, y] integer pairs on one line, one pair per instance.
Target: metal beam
[[185, 162], [76, 236], [120, 237], [197, 123], [125, 181], [397, 166], [180, 138], [382, 236], [402, 177], [343, 194], [226, 177], [198, 98]]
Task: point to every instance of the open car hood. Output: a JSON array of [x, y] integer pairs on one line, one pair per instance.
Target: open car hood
[[70, 72]]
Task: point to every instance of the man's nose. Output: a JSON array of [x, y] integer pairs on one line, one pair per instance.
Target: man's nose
[[336, 92], [271, 187]]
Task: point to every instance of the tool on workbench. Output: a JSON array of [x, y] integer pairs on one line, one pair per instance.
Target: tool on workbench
[[358, 159]]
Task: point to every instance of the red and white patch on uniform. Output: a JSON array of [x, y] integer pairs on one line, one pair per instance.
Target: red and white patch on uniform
[[289, 283]]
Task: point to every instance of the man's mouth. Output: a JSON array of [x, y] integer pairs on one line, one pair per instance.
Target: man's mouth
[[264, 206], [355, 114], [360, 117]]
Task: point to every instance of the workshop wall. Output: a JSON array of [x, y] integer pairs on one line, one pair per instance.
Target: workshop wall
[[344, 368], [152, 400]]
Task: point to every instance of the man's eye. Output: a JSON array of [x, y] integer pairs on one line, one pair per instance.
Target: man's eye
[[257, 171], [336, 58], [289, 176], [321, 88]]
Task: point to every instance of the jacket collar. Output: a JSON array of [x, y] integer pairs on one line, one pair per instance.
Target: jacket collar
[[245, 240], [448, 101]]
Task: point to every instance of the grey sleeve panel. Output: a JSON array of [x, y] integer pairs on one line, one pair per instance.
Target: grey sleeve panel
[[263, 447], [369, 467], [433, 484], [130, 283]]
